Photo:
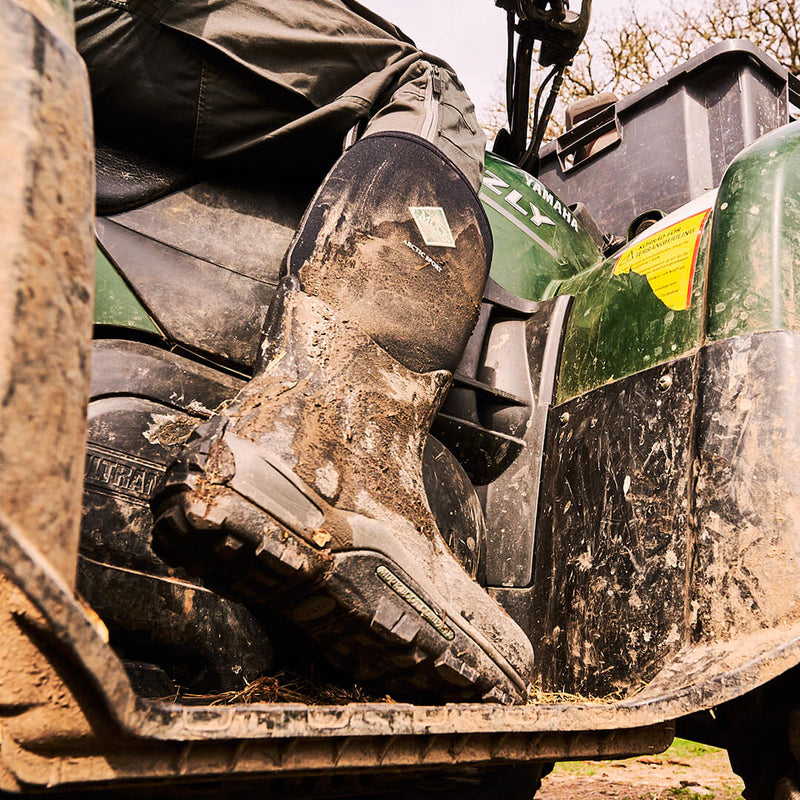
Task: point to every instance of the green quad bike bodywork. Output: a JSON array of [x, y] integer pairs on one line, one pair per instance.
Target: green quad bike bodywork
[[618, 462]]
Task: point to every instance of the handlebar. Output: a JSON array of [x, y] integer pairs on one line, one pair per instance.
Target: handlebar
[[560, 30], [540, 9], [563, 37]]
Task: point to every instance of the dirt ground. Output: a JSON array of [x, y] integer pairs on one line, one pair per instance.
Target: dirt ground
[[687, 770]]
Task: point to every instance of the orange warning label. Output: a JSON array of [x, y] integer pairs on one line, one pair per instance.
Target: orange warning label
[[667, 259]]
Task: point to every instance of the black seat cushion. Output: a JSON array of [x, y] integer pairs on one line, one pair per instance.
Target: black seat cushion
[[126, 179]]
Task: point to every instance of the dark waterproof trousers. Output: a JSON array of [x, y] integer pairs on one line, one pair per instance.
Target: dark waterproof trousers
[[270, 86]]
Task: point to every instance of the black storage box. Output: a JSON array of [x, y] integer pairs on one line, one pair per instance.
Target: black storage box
[[671, 141]]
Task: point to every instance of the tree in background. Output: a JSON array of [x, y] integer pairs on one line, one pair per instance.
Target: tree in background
[[624, 55]]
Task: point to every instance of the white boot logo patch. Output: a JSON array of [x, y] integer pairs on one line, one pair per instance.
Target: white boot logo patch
[[433, 225]]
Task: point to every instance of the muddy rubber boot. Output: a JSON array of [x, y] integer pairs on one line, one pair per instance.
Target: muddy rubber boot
[[305, 496]]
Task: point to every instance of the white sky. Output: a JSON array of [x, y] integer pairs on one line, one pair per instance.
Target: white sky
[[471, 36]]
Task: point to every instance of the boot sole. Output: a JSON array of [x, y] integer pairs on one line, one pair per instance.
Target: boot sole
[[366, 613]]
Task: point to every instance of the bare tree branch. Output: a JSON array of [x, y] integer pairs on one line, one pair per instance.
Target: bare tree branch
[[621, 58]]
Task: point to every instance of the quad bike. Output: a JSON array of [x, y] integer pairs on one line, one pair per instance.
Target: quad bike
[[617, 462]]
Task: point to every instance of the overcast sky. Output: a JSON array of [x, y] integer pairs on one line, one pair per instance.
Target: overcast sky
[[470, 35]]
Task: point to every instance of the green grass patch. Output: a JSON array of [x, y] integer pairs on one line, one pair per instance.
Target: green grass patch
[[691, 793], [680, 748], [683, 748], [682, 753], [586, 769], [687, 793]]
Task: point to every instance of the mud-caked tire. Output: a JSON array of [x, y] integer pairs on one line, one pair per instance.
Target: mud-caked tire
[[761, 732]]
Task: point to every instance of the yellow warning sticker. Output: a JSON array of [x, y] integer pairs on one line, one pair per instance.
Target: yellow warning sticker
[[667, 259]]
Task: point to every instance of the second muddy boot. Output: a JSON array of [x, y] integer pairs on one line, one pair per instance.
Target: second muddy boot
[[305, 496]]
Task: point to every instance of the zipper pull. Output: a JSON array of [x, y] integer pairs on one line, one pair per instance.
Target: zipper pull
[[437, 83]]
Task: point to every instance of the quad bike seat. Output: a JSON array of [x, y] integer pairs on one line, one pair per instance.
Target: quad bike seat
[[127, 179]]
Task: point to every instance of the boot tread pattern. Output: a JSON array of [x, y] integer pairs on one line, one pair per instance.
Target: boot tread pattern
[[361, 609]]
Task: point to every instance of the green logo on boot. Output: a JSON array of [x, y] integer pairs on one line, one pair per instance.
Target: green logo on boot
[[433, 226]]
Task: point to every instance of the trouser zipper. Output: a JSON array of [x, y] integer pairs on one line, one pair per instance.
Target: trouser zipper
[[433, 94]]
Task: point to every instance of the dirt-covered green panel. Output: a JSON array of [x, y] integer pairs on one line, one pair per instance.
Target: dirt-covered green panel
[[755, 251], [537, 239], [641, 307], [115, 303]]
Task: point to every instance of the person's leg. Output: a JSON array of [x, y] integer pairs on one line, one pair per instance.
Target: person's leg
[[305, 495], [270, 87], [412, 260]]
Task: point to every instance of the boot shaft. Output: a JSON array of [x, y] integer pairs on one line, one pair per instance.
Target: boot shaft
[[397, 240], [338, 409]]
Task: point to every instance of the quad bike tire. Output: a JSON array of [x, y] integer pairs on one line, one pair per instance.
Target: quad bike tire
[[761, 732]]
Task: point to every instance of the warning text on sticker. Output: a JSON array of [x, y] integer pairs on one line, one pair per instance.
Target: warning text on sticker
[[667, 259]]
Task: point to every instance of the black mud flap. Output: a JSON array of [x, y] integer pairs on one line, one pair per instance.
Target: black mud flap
[[668, 546]]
